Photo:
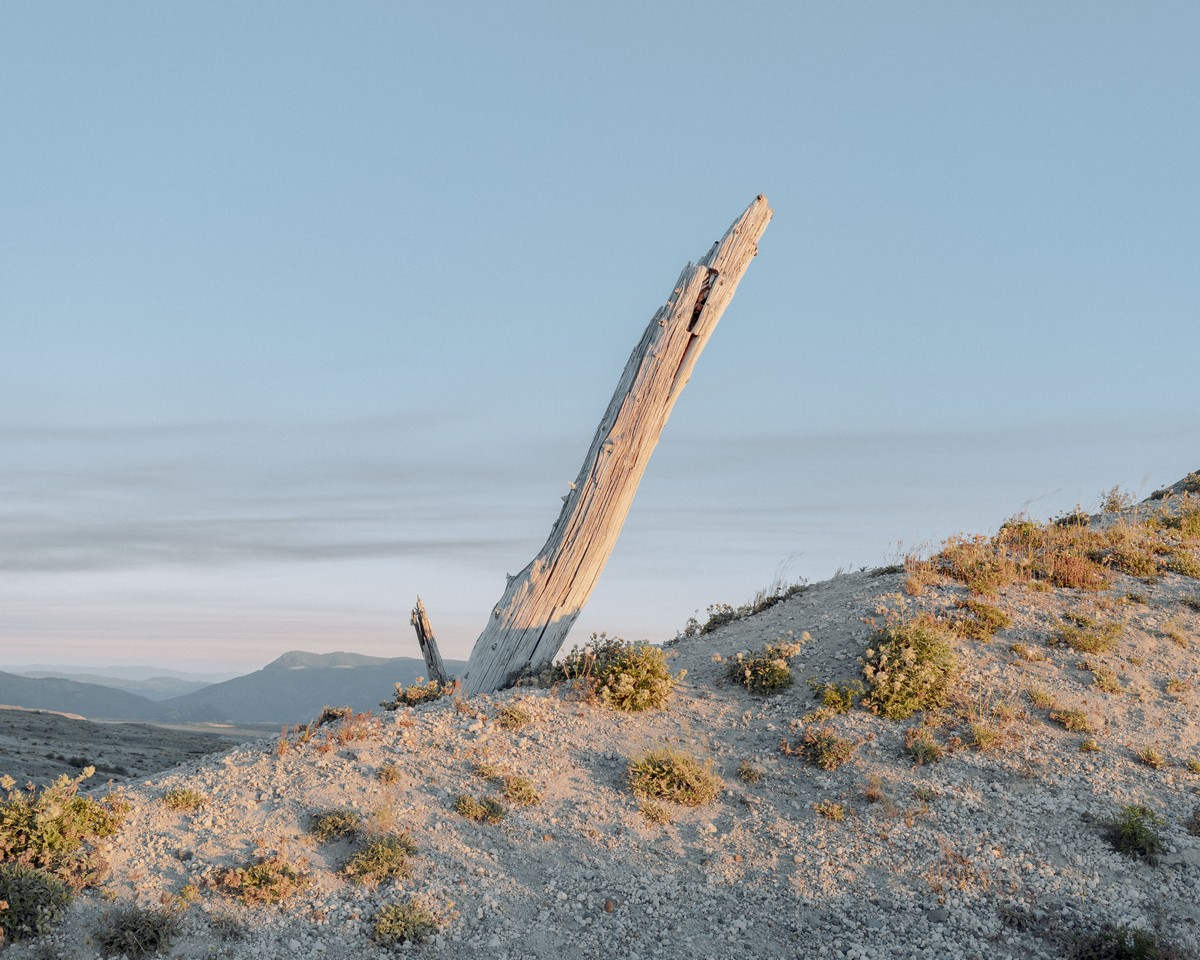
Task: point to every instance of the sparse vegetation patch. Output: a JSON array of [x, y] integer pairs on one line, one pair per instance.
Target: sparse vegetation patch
[[32, 901], [821, 746], [337, 824], [57, 829], [675, 776], [909, 666], [405, 922], [1074, 720], [135, 932], [1134, 832], [767, 671], [922, 746], [487, 810], [1125, 943], [419, 692], [184, 800], [1090, 639], [720, 614], [625, 676], [266, 879], [382, 859]]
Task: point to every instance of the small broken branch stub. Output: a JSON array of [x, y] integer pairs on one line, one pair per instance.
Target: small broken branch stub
[[429, 648]]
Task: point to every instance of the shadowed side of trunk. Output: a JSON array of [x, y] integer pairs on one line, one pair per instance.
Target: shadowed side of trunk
[[530, 622]]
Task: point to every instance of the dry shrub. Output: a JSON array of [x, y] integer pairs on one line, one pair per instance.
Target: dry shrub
[[268, 879], [919, 574], [983, 564], [1076, 572]]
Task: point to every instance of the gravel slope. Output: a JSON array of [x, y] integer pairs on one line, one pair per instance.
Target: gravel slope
[[996, 853]]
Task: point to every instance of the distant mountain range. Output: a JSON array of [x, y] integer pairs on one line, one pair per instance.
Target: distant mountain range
[[152, 688], [292, 689]]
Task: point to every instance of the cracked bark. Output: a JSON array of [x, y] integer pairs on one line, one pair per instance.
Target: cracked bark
[[530, 622], [429, 649]]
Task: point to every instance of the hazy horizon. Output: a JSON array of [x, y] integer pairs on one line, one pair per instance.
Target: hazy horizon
[[307, 311]]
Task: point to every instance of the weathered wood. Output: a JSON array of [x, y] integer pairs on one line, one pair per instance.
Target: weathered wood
[[429, 648], [532, 619]]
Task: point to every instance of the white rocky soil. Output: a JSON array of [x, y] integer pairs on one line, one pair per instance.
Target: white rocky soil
[[996, 853]]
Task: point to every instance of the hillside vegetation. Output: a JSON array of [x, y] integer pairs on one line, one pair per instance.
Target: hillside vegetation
[[989, 752]]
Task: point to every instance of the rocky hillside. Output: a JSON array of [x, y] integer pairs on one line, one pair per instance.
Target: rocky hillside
[[993, 752]]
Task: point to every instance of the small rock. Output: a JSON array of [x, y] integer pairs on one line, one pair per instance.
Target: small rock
[[938, 915]]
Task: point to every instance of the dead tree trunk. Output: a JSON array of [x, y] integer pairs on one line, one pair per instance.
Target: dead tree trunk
[[429, 647], [538, 608]]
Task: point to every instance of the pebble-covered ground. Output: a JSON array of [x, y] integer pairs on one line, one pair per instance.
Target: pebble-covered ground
[[998, 849]]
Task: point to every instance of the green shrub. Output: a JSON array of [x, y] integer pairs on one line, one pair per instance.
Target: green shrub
[[983, 621], [767, 671], [1125, 943], [909, 666], [1074, 720], [267, 879], [823, 747], [1135, 559], [1133, 833], [1104, 677], [720, 614], [520, 791], [31, 901], [985, 736], [830, 810], [421, 691], [404, 922], [626, 676], [922, 746], [57, 829], [836, 698], [381, 859], [1087, 639], [516, 789], [135, 932], [333, 715], [184, 800], [1151, 757], [673, 775], [337, 824], [1040, 698], [1184, 563], [658, 813], [488, 810]]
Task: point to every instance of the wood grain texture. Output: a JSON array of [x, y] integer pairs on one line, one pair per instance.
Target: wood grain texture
[[532, 619], [429, 648]]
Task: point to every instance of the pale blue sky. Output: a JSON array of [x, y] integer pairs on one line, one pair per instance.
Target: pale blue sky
[[305, 309]]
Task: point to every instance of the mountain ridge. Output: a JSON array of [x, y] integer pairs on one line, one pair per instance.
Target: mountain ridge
[[293, 688]]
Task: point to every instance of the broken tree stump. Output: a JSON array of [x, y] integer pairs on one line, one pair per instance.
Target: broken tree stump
[[532, 619], [429, 648]]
